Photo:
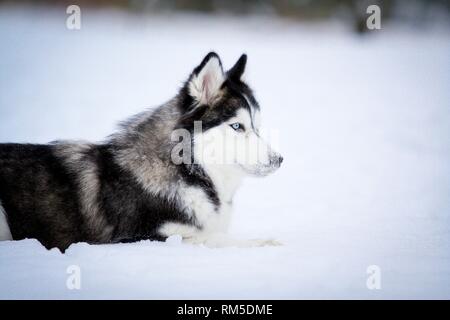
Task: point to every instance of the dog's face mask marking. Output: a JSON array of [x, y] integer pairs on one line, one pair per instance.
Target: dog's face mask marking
[[230, 120], [237, 142]]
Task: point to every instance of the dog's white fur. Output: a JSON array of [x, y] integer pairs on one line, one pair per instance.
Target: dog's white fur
[[5, 233]]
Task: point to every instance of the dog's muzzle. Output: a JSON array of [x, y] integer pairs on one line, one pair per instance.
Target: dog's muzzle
[[276, 160]]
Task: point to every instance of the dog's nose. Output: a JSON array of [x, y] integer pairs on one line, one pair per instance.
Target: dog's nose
[[276, 160]]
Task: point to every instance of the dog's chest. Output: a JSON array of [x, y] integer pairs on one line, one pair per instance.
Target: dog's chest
[[211, 216], [206, 214]]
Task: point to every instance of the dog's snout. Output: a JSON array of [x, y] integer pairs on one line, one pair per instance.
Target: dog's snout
[[280, 160]]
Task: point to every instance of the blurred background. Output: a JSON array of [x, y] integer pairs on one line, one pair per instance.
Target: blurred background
[[353, 12], [363, 118]]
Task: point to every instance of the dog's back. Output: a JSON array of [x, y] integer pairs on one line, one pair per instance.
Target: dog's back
[[64, 193], [38, 195]]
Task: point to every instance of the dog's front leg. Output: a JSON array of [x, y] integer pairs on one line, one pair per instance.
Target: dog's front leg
[[222, 240], [211, 239]]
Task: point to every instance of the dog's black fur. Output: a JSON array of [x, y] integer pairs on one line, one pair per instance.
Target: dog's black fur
[[40, 196]]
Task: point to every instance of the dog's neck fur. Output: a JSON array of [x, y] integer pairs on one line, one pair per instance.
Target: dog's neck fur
[[226, 181], [140, 153]]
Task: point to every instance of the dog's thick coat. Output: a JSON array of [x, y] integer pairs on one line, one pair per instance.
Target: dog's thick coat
[[128, 188]]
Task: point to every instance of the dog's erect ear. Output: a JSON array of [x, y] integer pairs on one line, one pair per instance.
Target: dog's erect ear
[[205, 81], [236, 72]]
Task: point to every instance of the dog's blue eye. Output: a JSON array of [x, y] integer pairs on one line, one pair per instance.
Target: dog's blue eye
[[237, 126]]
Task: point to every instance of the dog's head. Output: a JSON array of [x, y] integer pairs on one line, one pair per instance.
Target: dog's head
[[219, 108]]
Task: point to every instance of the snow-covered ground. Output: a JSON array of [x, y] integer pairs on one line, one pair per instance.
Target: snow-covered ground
[[364, 127]]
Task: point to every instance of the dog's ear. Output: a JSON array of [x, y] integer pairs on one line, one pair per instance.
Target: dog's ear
[[206, 80], [237, 71]]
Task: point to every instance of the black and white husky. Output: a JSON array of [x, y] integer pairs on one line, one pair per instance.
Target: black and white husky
[[158, 177]]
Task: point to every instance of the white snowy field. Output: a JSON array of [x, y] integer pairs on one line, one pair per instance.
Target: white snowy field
[[364, 126]]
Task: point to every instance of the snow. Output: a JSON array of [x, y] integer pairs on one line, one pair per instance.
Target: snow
[[364, 126]]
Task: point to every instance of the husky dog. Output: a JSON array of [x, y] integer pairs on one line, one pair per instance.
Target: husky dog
[[131, 187]]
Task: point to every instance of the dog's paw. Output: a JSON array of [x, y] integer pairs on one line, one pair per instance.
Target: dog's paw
[[222, 241], [265, 242]]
